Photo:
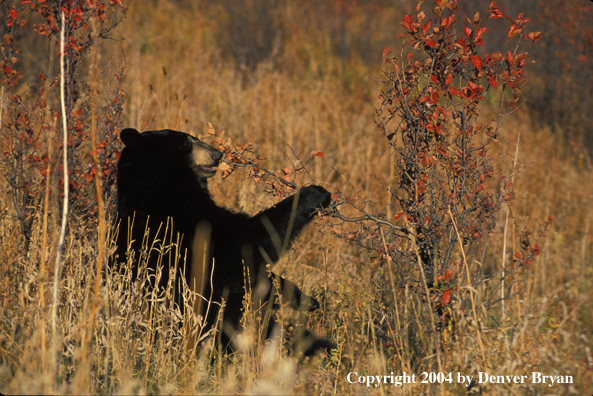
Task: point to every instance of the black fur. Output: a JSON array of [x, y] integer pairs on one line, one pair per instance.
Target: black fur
[[162, 176]]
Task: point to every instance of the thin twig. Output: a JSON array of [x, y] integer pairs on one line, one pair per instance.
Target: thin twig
[[368, 217], [62, 236], [251, 164]]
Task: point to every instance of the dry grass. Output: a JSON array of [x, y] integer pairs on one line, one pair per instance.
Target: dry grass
[[547, 327]]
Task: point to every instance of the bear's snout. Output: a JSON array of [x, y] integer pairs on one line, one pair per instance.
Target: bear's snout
[[217, 156], [206, 158]]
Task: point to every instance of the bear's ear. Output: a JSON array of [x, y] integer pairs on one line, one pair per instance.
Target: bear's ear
[[130, 137]]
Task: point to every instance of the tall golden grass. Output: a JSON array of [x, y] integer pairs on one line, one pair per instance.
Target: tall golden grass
[[304, 98]]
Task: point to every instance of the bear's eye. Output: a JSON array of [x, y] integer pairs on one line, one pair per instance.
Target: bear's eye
[[187, 144]]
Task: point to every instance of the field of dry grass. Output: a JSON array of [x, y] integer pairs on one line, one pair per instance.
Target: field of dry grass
[[303, 98]]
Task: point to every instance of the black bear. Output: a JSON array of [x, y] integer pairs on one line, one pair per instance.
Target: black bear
[[166, 215]]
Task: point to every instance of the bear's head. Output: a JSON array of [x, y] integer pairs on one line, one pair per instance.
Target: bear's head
[[176, 149]]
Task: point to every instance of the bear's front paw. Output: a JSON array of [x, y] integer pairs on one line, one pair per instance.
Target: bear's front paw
[[315, 197]]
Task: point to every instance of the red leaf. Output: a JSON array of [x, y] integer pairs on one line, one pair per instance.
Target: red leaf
[[386, 51], [446, 297], [479, 33], [425, 27], [468, 32], [477, 62], [446, 22], [407, 22], [495, 11], [448, 79], [397, 216], [533, 36], [319, 154], [434, 97], [431, 43], [514, 31], [453, 91], [449, 274]]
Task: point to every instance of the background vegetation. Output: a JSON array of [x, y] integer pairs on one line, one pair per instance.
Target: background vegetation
[[290, 78]]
